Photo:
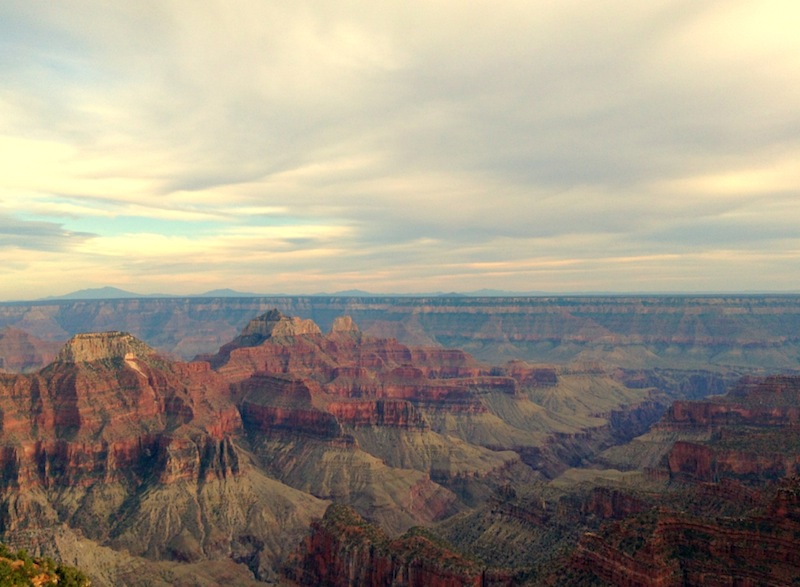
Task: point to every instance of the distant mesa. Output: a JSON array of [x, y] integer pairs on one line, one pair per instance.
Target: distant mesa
[[115, 293], [97, 346], [97, 293]]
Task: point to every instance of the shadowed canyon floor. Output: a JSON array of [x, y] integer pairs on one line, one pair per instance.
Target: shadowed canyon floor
[[147, 470]]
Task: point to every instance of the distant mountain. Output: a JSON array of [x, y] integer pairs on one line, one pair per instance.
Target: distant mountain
[[115, 293], [98, 293]]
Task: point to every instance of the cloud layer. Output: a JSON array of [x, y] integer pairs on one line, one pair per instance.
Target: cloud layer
[[311, 146]]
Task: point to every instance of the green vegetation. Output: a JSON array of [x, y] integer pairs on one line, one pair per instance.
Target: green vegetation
[[20, 569]]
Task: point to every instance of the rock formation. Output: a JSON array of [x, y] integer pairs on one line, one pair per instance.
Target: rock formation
[[226, 463], [674, 549], [345, 550], [752, 433], [730, 513], [137, 452], [308, 399]]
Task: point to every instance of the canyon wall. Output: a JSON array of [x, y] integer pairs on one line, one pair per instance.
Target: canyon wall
[[632, 331], [232, 458]]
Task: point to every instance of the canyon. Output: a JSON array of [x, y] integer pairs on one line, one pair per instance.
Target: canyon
[[680, 524], [359, 441]]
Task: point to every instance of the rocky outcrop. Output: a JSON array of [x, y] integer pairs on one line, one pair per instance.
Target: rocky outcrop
[[345, 550], [666, 548], [140, 453], [107, 410], [344, 324], [708, 463], [345, 364], [750, 434], [531, 376]]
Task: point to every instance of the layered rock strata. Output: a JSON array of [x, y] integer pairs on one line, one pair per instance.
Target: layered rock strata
[[752, 433], [345, 550], [671, 549], [232, 455], [629, 331], [730, 514], [137, 452]]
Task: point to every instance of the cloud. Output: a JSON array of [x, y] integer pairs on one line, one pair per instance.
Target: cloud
[[386, 147], [18, 234]]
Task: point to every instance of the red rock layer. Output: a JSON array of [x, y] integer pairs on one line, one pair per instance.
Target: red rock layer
[[110, 409], [611, 504], [768, 401], [705, 463], [685, 550], [355, 379], [753, 432], [528, 376], [271, 419], [391, 413], [711, 413], [343, 550], [750, 462]]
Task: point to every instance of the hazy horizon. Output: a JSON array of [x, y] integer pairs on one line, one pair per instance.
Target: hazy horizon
[[109, 293], [620, 147]]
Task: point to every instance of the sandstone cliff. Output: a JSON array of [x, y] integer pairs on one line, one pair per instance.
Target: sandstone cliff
[[665, 548], [139, 453], [752, 433], [345, 550]]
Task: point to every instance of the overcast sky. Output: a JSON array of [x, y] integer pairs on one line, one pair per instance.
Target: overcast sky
[[299, 147]]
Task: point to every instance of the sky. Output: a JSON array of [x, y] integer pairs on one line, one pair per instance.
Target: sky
[[299, 147]]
